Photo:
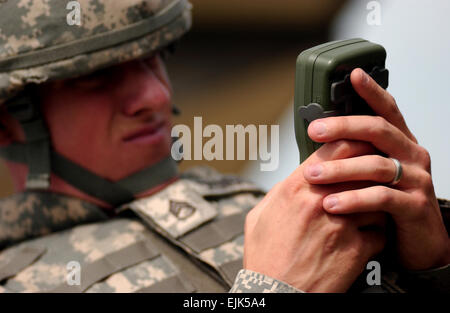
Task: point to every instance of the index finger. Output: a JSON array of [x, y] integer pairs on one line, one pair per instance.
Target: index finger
[[379, 100], [338, 149]]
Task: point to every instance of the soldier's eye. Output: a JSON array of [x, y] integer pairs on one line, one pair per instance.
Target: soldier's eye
[[93, 81]]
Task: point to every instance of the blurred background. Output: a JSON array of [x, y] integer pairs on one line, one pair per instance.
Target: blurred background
[[237, 66]]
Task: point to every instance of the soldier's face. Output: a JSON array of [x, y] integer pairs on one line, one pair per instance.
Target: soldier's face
[[113, 122]]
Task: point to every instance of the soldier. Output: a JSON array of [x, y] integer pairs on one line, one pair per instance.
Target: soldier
[[100, 206]]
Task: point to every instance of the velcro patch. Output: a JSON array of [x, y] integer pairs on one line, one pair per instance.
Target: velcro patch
[[177, 209]]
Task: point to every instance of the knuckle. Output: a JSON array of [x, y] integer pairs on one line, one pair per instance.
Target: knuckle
[[287, 189], [393, 107], [425, 158], [342, 148], [378, 127], [353, 199], [249, 218], [289, 186], [277, 187], [392, 100], [250, 223], [425, 180], [383, 125], [384, 194], [383, 168], [334, 168], [422, 201], [419, 210], [342, 123], [348, 148]]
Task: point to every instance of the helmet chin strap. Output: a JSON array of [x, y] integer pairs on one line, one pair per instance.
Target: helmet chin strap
[[41, 159], [37, 149]]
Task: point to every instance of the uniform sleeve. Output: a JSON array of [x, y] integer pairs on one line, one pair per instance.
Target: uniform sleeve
[[434, 280], [430, 281], [252, 282]]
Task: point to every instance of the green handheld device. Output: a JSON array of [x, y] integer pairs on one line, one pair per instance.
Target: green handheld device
[[323, 87]]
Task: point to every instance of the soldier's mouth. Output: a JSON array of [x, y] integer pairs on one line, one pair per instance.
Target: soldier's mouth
[[149, 134]]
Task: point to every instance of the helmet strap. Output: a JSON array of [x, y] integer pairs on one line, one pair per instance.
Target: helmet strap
[[113, 193], [41, 159], [37, 153]]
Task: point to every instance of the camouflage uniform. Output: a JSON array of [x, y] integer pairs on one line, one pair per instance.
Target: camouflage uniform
[[187, 237]]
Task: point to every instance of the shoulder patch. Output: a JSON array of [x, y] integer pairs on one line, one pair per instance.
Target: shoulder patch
[[204, 214], [175, 210]]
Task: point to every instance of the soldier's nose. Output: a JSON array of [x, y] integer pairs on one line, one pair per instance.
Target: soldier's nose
[[142, 91]]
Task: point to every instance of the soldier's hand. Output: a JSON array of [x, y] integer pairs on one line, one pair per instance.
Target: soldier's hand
[[288, 235], [422, 240]]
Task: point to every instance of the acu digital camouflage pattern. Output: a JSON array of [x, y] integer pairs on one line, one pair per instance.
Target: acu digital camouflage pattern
[[28, 27], [249, 281], [203, 213], [172, 210], [87, 242], [32, 214]]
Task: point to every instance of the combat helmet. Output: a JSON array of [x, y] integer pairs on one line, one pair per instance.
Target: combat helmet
[[42, 41]]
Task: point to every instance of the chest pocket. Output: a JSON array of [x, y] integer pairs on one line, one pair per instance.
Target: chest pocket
[[205, 216], [113, 256]]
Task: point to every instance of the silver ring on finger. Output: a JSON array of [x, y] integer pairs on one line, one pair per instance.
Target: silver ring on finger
[[398, 172]]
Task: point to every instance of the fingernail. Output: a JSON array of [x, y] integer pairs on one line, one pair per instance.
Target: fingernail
[[315, 170], [364, 77], [330, 203], [319, 128]]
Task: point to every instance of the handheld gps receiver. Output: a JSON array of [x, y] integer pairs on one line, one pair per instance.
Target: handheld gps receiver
[[323, 87]]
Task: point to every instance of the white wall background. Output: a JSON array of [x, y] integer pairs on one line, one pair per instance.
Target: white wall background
[[416, 35]]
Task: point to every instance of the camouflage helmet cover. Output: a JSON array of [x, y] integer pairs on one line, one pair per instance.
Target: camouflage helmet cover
[[37, 44]]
